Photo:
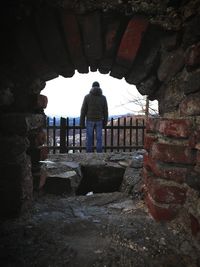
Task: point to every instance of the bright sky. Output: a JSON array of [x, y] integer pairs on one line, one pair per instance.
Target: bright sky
[[65, 95]]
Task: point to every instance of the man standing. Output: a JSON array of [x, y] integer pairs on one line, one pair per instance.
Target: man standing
[[95, 110]]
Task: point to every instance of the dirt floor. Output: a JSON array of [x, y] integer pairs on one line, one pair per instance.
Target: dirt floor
[[108, 229]]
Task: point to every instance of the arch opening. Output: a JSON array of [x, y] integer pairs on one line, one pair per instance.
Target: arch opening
[[144, 45]]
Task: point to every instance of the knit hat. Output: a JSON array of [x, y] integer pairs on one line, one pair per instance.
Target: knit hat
[[95, 84]]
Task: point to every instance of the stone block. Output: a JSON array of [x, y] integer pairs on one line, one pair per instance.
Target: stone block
[[148, 87], [59, 176], [191, 82], [191, 33], [171, 94], [132, 182], [74, 41], [170, 42], [52, 43], [192, 55], [195, 225], [160, 212], [171, 64], [172, 153], [192, 179], [118, 71], [91, 32], [38, 84], [41, 102], [180, 128], [190, 105], [21, 123]]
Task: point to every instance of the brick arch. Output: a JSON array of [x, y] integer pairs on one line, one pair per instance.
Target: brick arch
[[156, 47]]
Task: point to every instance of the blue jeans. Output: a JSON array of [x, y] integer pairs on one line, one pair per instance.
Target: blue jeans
[[90, 126]]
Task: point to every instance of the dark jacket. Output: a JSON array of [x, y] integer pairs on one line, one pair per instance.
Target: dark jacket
[[94, 107]]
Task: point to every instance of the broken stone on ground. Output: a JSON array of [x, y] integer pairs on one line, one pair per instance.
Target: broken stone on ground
[[99, 173]]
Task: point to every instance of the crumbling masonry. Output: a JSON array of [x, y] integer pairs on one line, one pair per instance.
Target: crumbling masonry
[[153, 44]]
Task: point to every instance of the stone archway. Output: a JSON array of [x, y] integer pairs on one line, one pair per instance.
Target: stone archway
[[153, 45]]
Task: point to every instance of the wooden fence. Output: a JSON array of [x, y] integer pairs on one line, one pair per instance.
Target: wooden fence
[[121, 134]]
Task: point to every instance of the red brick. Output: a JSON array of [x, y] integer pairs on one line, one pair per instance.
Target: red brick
[[44, 152], [165, 171], [73, 40], [40, 138], [190, 105], [141, 70], [176, 174], [146, 176], [192, 56], [149, 140], [172, 153], [195, 225], [166, 194], [131, 41], [158, 212], [175, 128], [112, 39], [41, 101], [90, 25], [152, 125]]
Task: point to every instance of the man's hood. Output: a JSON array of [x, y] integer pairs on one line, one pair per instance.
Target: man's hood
[[96, 91]]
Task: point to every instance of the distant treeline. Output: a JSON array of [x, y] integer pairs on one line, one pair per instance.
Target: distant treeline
[[76, 119]]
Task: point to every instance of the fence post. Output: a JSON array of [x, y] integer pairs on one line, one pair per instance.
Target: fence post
[[62, 135]]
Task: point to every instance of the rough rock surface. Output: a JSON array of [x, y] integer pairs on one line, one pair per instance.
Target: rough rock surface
[[108, 229], [81, 173]]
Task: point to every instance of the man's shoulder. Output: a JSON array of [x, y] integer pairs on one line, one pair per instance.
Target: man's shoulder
[[87, 96]]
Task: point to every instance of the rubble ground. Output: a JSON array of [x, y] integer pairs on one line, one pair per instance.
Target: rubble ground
[[104, 230]]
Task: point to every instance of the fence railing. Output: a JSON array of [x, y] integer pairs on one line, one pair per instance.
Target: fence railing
[[65, 135]]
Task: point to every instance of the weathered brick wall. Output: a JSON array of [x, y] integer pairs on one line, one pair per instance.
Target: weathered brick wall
[[171, 172]]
